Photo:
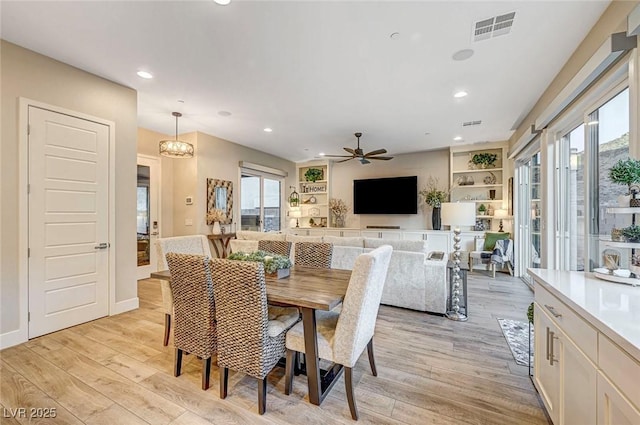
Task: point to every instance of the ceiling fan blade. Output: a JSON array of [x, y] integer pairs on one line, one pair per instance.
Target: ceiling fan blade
[[345, 160], [363, 161], [339, 156], [351, 151], [377, 152], [383, 158]]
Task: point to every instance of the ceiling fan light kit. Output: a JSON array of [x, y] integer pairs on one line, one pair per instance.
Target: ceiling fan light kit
[[359, 154], [176, 148]]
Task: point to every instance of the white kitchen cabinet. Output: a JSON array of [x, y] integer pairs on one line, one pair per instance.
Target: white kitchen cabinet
[[614, 408], [578, 385], [546, 370]]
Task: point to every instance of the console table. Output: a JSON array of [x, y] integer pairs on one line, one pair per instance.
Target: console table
[[221, 243]]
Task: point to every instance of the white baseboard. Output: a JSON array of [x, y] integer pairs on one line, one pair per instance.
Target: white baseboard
[[11, 338], [126, 305]]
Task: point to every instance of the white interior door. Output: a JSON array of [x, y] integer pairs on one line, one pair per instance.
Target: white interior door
[[68, 221], [147, 216]]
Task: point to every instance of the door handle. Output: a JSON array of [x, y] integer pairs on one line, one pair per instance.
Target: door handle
[[103, 245], [551, 338], [154, 234], [547, 343]]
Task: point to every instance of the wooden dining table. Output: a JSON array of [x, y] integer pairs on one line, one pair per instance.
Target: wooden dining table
[[309, 289]]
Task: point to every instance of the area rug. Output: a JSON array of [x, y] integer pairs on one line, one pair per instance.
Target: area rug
[[516, 334]]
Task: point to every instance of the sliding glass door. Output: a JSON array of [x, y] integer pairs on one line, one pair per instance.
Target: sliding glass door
[[260, 202]]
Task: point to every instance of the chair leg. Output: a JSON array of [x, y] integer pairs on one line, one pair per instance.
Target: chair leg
[[262, 395], [348, 383], [224, 381], [206, 371], [510, 268], [178, 365], [167, 328], [292, 359], [372, 360]]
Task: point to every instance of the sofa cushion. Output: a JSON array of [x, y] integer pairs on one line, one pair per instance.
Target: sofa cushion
[[411, 246], [491, 238], [344, 257], [256, 236], [340, 241]]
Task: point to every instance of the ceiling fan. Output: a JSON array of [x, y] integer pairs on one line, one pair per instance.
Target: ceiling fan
[[360, 155]]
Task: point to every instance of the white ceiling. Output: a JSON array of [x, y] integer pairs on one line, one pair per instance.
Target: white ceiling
[[315, 72]]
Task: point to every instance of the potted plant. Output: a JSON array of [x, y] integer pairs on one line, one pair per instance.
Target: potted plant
[[434, 197], [631, 233], [482, 209], [627, 171], [484, 159], [313, 174]]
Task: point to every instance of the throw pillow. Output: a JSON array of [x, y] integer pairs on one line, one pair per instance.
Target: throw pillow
[[491, 238]]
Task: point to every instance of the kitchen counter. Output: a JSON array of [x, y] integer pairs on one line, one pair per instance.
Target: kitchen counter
[[612, 308]]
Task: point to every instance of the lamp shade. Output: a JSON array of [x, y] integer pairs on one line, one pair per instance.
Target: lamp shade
[[176, 148], [500, 214], [458, 213], [295, 213]]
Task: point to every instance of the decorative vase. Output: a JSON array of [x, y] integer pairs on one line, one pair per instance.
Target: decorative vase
[[436, 221], [216, 230], [339, 221], [492, 194]]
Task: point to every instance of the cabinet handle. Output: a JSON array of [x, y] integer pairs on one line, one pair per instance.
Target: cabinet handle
[[552, 310], [551, 338], [547, 345]]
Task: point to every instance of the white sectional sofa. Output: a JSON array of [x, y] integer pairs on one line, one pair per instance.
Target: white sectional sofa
[[413, 281]]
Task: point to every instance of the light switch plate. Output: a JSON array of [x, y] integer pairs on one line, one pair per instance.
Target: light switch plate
[[188, 200]]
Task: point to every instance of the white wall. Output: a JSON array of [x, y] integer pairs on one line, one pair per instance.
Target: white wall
[[422, 164], [31, 75]]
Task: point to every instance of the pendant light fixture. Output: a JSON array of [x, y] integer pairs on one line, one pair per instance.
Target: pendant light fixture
[[176, 148]]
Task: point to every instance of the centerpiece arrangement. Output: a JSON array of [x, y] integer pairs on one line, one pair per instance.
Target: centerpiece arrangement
[[338, 210], [434, 197], [274, 264], [215, 216]]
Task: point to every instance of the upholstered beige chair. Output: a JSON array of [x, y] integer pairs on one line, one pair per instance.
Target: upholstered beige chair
[[276, 247], [343, 336], [196, 244], [193, 302], [313, 254], [250, 335]]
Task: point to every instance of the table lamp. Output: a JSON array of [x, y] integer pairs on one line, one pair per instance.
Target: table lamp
[[501, 214], [456, 214], [296, 213]]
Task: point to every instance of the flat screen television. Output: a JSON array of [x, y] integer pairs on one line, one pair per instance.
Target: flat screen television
[[394, 195]]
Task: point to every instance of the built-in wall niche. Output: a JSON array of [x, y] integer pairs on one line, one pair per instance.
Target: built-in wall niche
[[220, 197]]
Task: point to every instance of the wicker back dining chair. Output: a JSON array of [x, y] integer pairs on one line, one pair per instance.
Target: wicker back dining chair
[[195, 244], [193, 301], [250, 335], [313, 254], [276, 247], [344, 335]]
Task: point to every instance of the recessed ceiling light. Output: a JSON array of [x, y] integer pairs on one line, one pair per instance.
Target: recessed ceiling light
[[457, 138], [462, 55], [268, 130], [224, 113], [321, 154], [222, 2], [460, 94], [144, 74]]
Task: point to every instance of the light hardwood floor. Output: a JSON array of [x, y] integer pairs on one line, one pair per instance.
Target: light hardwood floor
[[430, 371]]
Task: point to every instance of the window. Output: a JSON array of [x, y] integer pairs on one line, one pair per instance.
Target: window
[[260, 202]]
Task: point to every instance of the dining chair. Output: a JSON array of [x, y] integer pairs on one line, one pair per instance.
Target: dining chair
[[276, 247], [313, 254], [194, 307], [343, 336], [196, 244], [251, 335]]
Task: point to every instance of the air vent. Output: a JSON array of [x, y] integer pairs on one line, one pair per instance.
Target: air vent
[[493, 27], [470, 123]]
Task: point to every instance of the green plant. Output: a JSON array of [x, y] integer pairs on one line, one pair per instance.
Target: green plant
[[432, 195], [482, 208], [313, 174], [632, 233], [271, 261], [530, 313], [626, 171], [484, 158]]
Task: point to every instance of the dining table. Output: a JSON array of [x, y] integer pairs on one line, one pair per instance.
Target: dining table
[[309, 289]]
